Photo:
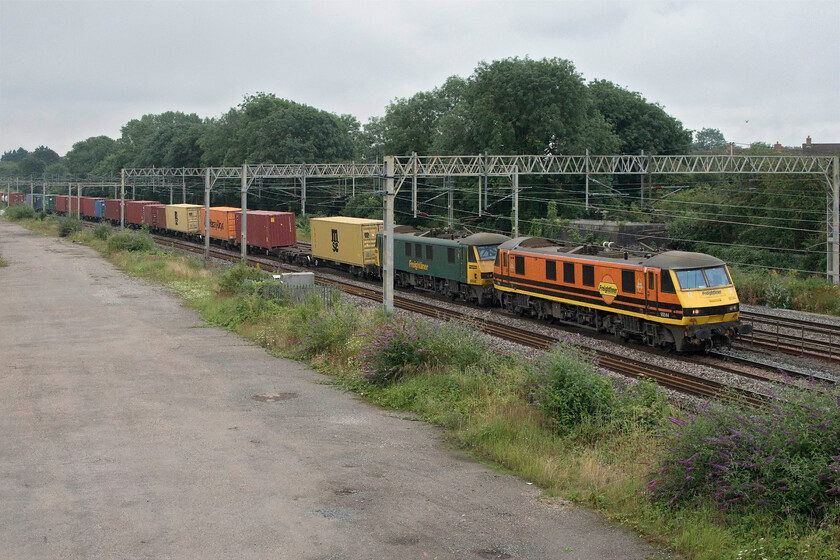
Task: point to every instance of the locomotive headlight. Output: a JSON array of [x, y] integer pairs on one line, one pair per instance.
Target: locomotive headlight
[[689, 312], [732, 308]]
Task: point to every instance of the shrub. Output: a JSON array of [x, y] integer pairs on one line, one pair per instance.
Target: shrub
[[19, 212], [569, 389], [780, 460], [102, 231], [68, 225], [398, 348], [130, 241], [328, 330], [234, 278], [395, 350]]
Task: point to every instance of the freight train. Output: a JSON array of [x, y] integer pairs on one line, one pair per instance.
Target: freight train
[[673, 300]]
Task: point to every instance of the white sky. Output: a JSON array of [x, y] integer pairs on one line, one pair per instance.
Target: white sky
[[762, 70]]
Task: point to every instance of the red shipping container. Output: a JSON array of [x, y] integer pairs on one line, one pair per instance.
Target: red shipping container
[[89, 206], [268, 229], [112, 209], [134, 210], [61, 203], [15, 198], [155, 215], [74, 205]]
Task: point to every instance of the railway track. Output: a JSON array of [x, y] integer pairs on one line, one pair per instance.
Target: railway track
[[679, 381], [793, 336], [682, 382]]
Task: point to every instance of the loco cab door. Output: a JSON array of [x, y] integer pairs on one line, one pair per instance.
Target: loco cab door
[[651, 295]]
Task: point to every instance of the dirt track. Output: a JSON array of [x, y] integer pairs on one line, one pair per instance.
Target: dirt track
[[129, 429]]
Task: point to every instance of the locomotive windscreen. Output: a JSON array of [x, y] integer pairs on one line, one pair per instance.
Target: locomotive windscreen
[[702, 278], [487, 252]]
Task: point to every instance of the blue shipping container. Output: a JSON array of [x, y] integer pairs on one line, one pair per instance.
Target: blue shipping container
[[100, 208]]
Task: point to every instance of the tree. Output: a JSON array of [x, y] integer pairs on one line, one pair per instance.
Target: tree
[[709, 139], [414, 124], [166, 140], [88, 156], [517, 106], [266, 129], [14, 156], [640, 125]]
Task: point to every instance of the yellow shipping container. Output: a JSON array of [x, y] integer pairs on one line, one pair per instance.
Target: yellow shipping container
[[222, 222], [345, 240], [183, 217]]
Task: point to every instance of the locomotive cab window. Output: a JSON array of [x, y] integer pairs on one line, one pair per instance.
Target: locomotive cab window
[[471, 254], [505, 258], [487, 253], [702, 278], [519, 264], [666, 285], [588, 275], [408, 249], [551, 270], [628, 281], [450, 255]]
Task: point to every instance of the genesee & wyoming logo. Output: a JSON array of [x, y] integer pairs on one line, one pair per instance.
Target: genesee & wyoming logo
[[417, 265], [607, 289]]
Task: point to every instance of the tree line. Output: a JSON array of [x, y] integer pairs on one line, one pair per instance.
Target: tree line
[[510, 106]]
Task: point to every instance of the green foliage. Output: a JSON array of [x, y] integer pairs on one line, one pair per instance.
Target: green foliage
[[19, 212], [129, 241], [68, 225], [813, 294], [578, 400], [364, 205], [234, 279], [327, 329], [640, 125], [102, 231], [266, 129], [89, 156], [3, 262], [232, 312], [709, 140], [398, 348], [14, 156], [567, 389], [780, 460], [170, 139]]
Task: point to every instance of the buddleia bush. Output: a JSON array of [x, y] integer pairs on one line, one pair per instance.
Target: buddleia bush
[[779, 460]]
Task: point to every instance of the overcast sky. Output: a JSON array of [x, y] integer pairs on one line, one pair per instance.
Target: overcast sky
[[757, 70]]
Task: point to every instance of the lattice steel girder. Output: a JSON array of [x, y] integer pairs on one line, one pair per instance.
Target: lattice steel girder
[[501, 165], [448, 166]]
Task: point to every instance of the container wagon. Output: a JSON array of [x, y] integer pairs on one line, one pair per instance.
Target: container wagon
[[222, 223], [347, 242], [267, 230], [134, 211], [183, 218], [154, 215]]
